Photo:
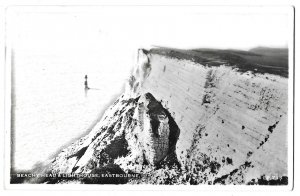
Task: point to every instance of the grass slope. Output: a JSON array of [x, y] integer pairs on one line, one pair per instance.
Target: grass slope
[[258, 60]]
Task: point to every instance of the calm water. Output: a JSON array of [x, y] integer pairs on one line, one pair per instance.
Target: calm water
[[52, 108]]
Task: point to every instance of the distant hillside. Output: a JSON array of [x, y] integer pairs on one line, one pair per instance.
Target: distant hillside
[[283, 52], [258, 60]]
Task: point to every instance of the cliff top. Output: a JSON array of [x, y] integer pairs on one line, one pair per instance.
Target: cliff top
[[258, 60]]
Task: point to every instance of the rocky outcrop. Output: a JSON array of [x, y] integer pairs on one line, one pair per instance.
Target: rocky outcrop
[[180, 122], [132, 133], [159, 132]]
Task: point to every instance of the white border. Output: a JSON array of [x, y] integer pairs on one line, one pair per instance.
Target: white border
[[151, 187]]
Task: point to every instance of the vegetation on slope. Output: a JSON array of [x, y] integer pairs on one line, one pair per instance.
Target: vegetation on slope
[[257, 60]]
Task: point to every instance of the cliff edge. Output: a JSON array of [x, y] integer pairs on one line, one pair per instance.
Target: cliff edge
[[183, 122]]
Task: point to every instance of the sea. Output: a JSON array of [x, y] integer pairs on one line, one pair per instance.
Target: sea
[[51, 108]]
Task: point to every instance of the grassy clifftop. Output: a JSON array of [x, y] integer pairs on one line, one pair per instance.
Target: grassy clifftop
[[257, 60]]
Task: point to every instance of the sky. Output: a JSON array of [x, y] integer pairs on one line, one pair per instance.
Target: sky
[[113, 34]]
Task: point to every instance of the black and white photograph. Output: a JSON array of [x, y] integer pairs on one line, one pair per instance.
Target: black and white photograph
[[195, 96]]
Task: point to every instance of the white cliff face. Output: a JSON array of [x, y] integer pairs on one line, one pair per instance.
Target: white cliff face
[[216, 124], [225, 116]]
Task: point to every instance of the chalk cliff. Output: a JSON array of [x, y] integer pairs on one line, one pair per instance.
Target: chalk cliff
[[183, 122]]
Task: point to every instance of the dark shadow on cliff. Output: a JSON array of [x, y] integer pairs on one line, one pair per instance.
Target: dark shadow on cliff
[[155, 107]]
